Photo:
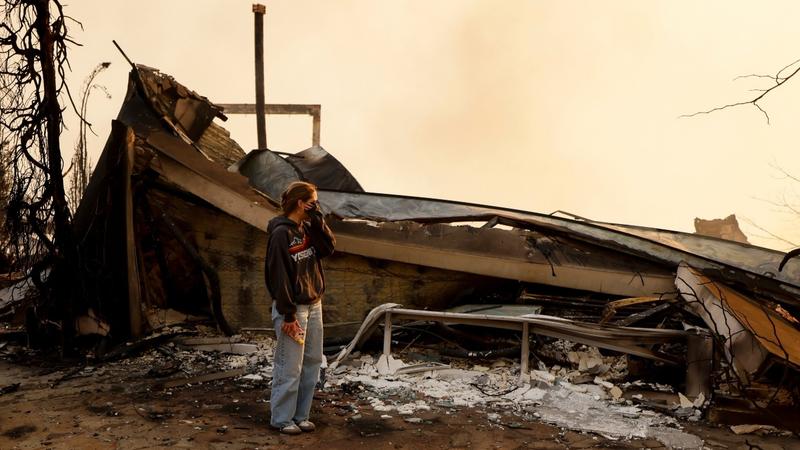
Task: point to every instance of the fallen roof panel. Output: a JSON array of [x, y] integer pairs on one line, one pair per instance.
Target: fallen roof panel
[[734, 261], [744, 322], [670, 247]]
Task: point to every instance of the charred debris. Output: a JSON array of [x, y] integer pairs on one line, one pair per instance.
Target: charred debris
[[172, 232]]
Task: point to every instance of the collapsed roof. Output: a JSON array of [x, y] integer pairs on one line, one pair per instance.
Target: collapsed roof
[[175, 216]]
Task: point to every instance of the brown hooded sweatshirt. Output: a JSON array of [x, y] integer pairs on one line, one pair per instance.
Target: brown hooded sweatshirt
[[293, 271]]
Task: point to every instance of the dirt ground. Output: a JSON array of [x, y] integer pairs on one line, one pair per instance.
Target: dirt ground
[[117, 406]]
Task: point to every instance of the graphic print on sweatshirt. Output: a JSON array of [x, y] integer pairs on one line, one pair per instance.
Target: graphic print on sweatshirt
[[300, 248]]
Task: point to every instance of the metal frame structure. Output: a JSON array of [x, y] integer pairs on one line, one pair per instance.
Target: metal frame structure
[[315, 111], [629, 340]]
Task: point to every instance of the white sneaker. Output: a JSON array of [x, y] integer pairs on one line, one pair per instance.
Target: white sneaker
[[306, 425], [291, 429]]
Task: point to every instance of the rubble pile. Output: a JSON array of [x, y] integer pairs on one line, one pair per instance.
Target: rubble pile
[[596, 407], [173, 227]]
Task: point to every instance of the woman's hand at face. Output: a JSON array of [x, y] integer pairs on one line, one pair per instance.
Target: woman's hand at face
[[311, 205], [313, 212]]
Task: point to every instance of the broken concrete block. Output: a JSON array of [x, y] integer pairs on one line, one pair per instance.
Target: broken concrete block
[[387, 365], [542, 375], [573, 357], [587, 362], [684, 401], [616, 393], [581, 378], [601, 382], [599, 369], [699, 401]]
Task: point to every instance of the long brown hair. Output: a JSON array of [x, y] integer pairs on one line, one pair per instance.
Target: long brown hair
[[297, 190]]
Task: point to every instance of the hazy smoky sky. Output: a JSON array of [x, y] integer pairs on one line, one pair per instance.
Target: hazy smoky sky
[[537, 105]]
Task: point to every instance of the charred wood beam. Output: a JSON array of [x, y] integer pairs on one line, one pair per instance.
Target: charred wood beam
[[271, 108], [158, 247], [612, 307], [491, 223], [129, 349], [134, 287], [633, 318]]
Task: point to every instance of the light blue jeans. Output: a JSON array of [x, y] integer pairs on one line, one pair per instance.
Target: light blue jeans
[[295, 368]]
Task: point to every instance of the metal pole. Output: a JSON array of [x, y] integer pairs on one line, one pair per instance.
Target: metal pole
[[387, 334], [523, 360], [699, 365], [261, 124], [315, 127]]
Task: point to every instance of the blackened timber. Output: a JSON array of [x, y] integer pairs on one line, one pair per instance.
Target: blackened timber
[[636, 317], [271, 108], [134, 287]]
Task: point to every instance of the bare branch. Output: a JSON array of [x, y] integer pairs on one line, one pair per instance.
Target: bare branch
[[730, 105], [777, 79], [784, 172], [773, 235], [778, 74], [754, 75]]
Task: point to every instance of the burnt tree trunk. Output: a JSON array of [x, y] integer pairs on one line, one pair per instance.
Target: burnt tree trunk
[[66, 255]]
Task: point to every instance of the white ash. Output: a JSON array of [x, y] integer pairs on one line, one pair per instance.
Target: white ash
[[549, 397]]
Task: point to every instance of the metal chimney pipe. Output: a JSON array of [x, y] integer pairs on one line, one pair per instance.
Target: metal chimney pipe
[[261, 118]]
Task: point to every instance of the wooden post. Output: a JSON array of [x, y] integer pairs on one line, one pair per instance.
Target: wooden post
[[261, 118], [387, 334], [699, 365], [523, 361], [134, 291], [315, 127]]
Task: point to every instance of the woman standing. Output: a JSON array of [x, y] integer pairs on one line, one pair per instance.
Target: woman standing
[[298, 240]]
